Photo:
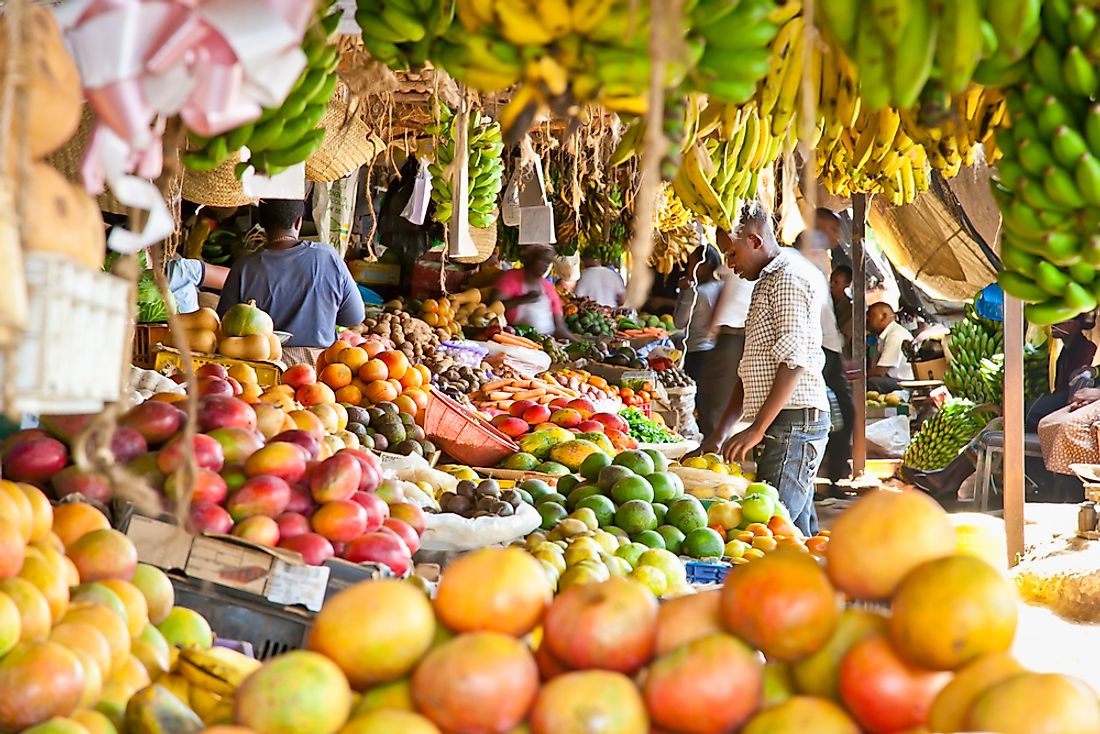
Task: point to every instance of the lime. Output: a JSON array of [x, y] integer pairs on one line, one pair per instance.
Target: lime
[[578, 494], [609, 475], [631, 552], [635, 516], [686, 514], [636, 461], [673, 538], [549, 497], [703, 543], [537, 488], [551, 513], [590, 467], [762, 488], [660, 511], [660, 461], [520, 462], [553, 468], [757, 508], [666, 486], [565, 485], [631, 488], [601, 506], [650, 539]]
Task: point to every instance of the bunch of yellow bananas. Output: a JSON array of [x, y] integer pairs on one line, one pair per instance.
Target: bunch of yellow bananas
[[207, 680], [672, 248], [954, 135], [671, 214]]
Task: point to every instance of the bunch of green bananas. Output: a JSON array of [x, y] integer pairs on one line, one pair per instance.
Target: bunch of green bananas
[[899, 45], [732, 145], [973, 339], [601, 227], [485, 164], [735, 40], [1036, 370], [400, 33], [944, 435], [1048, 182], [287, 135]]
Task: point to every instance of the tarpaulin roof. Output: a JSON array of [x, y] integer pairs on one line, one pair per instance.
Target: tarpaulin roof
[[945, 241]]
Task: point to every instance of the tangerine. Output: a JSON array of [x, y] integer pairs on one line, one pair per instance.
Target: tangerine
[[336, 375], [380, 391], [418, 396], [372, 370], [353, 358], [315, 394], [412, 378], [350, 394], [330, 355], [405, 404], [396, 362]]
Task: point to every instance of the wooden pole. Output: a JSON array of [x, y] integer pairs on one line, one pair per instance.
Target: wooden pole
[[1014, 427], [859, 334]]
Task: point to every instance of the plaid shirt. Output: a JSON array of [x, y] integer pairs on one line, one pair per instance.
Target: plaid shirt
[[783, 327]]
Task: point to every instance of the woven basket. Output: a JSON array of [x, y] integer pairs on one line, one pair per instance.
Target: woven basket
[[348, 142], [219, 187], [68, 159], [485, 240]]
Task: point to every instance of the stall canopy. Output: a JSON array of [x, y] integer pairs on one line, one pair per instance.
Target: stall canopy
[[945, 240]]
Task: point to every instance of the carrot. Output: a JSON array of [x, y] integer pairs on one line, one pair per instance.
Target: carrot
[[531, 394], [494, 396], [489, 387]]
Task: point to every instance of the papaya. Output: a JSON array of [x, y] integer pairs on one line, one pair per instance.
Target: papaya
[[572, 454], [246, 319], [204, 318], [254, 347], [600, 439], [540, 443]]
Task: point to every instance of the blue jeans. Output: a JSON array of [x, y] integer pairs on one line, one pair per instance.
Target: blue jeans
[[789, 458]]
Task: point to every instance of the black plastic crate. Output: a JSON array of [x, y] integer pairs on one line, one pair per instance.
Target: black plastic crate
[[272, 630]]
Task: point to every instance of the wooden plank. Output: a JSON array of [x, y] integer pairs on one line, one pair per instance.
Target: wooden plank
[[859, 329], [1014, 427]]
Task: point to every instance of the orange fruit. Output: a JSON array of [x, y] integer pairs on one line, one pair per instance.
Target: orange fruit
[[380, 391], [169, 397], [396, 362], [373, 370], [315, 394], [397, 386], [425, 374], [333, 352], [373, 348], [412, 378], [353, 358], [418, 396], [336, 375], [350, 394], [405, 404]]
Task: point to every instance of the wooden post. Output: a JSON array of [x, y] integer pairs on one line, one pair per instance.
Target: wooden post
[[1014, 427], [859, 334]]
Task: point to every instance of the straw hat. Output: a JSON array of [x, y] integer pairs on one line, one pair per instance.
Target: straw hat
[[349, 142]]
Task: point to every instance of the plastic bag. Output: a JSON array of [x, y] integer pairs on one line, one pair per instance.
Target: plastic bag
[[707, 485], [678, 410], [889, 437], [415, 469], [447, 532], [527, 362], [417, 207]]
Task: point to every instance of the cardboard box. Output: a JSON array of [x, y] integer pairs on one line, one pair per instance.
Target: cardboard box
[[932, 369], [276, 575], [887, 412]]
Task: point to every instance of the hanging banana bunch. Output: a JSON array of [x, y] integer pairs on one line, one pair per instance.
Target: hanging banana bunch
[[485, 165], [287, 135], [900, 46], [1048, 181], [400, 33], [953, 135], [734, 40], [671, 214]]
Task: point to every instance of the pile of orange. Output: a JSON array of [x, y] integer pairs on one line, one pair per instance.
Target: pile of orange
[[370, 374], [440, 315]]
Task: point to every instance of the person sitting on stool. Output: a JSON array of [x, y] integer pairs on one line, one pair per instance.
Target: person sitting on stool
[[892, 365]]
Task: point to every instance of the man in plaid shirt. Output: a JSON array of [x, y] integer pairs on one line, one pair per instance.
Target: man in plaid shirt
[[782, 391]]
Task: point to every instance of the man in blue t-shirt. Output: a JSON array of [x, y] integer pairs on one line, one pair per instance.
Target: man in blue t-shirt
[[304, 286]]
